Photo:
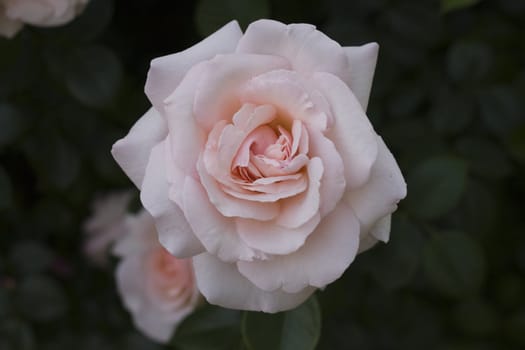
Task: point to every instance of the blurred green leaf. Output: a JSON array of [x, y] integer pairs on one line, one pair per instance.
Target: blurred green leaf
[[210, 327], [41, 299], [12, 123], [16, 335], [93, 75], [453, 5], [451, 112], [213, 14], [30, 257], [500, 109], [515, 328], [485, 158], [516, 143], [468, 61], [436, 186], [295, 329], [392, 265], [454, 263], [6, 193], [476, 317]]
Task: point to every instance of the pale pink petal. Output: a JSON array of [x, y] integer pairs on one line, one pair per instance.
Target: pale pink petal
[[186, 137], [362, 61], [136, 239], [174, 232], [306, 48], [223, 285], [233, 207], [147, 317], [380, 195], [217, 233], [297, 210], [290, 94], [381, 229], [167, 72], [9, 27], [323, 258], [274, 192], [333, 182], [274, 239], [367, 242], [269, 169], [217, 93], [132, 152], [352, 133]]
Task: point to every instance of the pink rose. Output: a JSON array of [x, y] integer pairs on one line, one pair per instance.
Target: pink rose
[[43, 13], [106, 224], [257, 159], [157, 288]]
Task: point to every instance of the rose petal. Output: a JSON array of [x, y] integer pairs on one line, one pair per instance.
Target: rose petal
[[270, 238], [216, 232], [352, 133], [323, 258], [297, 210], [223, 285], [380, 195], [217, 97], [9, 27], [233, 207], [174, 232], [132, 152], [333, 182], [290, 94], [362, 60], [167, 72], [134, 241], [381, 229], [306, 48]]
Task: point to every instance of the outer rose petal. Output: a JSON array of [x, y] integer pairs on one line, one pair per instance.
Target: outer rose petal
[[222, 284], [362, 61], [380, 195], [167, 72], [327, 253], [44, 12], [174, 232], [132, 152], [352, 133], [307, 49], [217, 233], [9, 27]]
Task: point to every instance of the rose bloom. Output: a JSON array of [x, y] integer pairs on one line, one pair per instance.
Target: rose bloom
[[42, 13], [105, 225], [157, 288], [257, 159]]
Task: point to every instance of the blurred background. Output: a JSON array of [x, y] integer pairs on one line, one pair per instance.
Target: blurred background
[[448, 99]]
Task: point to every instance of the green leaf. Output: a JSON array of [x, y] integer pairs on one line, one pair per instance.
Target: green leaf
[[41, 299], [454, 263], [476, 317], [468, 61], [30, 257], [436, 186], [501, 110], [212, 14], [295, 329], [16, 335], [485, 157], [12, 123], [453, 5], [393, 265], [210, 327], [6, 193], [93, 75]]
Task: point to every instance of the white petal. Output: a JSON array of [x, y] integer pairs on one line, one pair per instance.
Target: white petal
[[270, 238], [223, 285], [362, 60], [323, 258], [306, 48], [216, 232], [333, 182], [9, 27], [132, 152], [352, 133], [380, 195], [167, 72], [174, 232], [234, 207]]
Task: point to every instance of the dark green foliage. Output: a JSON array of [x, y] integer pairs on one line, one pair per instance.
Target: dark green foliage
[[448, 98]]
